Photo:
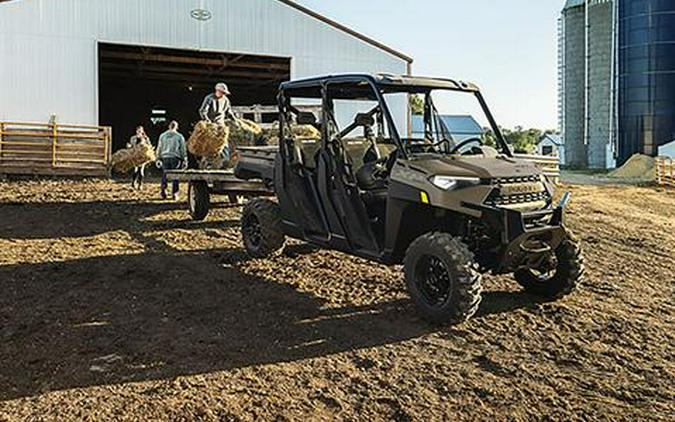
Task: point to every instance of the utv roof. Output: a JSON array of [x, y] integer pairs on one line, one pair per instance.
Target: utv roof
[[386, 82]]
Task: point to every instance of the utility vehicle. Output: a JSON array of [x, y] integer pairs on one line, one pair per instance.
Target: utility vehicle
[[448, 208]]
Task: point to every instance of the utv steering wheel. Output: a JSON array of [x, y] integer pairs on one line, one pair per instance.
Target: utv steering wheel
[[462, 144]]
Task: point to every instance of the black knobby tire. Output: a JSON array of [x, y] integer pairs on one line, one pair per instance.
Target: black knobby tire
[[261, 228], [199, 200], [442, 278], [566, 276]]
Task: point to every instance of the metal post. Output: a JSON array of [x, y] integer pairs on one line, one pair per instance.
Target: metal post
[[54, 140], [409, 108], [2, 131], [613, 106], [587, 68]]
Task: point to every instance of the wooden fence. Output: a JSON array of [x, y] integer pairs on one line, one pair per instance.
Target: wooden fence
[[664, 172], [549, 165], [52, 149]]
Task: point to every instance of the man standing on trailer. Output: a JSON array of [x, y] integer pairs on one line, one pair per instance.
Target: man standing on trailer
[[217, 108]]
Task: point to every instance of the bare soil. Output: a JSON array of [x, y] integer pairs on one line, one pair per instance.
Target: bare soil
[[115, 306]]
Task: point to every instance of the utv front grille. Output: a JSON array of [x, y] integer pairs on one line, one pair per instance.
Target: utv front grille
[[517, 190]]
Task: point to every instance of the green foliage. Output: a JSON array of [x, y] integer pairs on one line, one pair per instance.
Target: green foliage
[[489, 137], [417, 105], [522, 140]]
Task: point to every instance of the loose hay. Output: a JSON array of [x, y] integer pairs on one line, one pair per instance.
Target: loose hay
[[208, 139], [639, 167], [125, 160]]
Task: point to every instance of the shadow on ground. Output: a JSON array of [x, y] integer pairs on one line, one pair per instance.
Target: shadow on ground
[[164, 313], [53, 220]]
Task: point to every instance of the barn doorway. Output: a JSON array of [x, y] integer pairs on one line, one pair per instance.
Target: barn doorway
[[151, 86]]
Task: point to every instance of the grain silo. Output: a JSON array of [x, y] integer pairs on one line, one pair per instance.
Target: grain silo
[[587, 69], [646, 76], [573, 81]]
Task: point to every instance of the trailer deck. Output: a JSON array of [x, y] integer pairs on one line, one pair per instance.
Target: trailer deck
[[202, 184]]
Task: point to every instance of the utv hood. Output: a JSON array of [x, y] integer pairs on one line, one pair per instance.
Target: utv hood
[[474, 166]]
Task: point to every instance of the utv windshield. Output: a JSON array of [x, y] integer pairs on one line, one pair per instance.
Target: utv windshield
[[444, 121]]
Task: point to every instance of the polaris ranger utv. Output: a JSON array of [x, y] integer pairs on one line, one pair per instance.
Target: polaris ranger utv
[[448, 209]]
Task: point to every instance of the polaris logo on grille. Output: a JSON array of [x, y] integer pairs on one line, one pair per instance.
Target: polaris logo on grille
[[201, 14]]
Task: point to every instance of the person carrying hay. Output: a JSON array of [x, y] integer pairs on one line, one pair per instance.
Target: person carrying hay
[[217, 108], [172, 155], [140, 138]]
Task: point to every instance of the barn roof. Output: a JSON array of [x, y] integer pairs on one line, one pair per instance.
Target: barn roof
[[348, 30]]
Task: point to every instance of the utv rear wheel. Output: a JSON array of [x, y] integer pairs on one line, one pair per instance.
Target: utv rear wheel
[[198, 200], [565, 274], [442, 278], [261, 228]]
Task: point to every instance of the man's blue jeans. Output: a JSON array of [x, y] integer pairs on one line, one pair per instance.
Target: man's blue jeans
[[170, 163]]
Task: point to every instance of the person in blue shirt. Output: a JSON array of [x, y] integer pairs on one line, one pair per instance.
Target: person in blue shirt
[[172, 153]]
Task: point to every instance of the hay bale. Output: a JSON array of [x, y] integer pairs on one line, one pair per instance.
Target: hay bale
[[245, 134], [638, 167], [208, 139], [306, 132], [301, 132], [123, 161]]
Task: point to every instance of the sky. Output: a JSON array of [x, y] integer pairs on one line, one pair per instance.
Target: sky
[[509, 48]]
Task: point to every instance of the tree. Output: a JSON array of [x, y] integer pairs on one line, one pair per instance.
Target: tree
[[489, 137], [523, 141], [417, 104]]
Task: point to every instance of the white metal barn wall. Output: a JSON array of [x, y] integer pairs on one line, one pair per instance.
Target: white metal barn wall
[[48, 48]]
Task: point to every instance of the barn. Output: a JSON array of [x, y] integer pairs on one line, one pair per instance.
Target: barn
[[127, 62]]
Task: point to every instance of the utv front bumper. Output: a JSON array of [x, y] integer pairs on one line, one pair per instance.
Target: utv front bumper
[[526, 238]]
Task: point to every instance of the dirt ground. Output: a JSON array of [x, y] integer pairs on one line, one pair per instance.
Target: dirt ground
[[115, 306]]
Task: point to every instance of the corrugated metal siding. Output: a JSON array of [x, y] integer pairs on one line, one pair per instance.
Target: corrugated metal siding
[[48, 47]]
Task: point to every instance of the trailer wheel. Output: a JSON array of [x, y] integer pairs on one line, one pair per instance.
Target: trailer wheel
[[261, 228], [564, 276], [442, 278], [198, 200]]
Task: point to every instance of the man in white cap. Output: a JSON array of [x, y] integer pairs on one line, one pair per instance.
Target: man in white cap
[[216, 107]]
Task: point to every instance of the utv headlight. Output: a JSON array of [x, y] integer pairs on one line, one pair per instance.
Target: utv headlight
[[451, 182]]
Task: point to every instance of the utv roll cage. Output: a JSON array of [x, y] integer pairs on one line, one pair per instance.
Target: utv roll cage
[[374, 88]]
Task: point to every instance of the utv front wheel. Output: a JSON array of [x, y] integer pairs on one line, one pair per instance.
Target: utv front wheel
[[563, 276], [442, 278], [261, 228]]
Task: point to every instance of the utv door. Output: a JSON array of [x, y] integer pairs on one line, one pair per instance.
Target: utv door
[[346, 212], [296, 180]]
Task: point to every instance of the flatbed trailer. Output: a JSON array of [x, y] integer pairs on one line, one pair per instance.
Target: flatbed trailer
[[202, 184]]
